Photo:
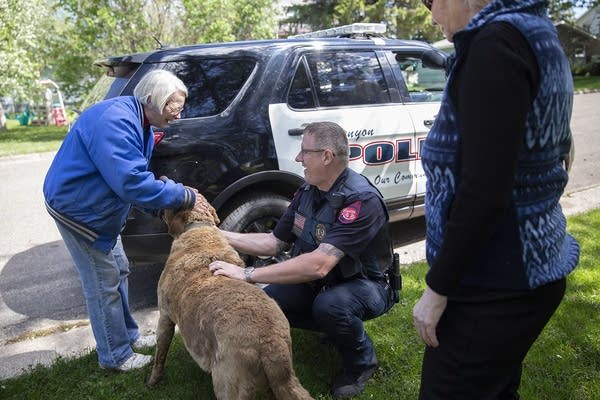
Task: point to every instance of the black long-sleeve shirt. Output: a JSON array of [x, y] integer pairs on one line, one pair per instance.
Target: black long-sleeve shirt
[[493, 90]]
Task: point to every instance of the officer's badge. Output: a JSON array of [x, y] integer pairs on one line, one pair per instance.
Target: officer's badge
[[320, 232]]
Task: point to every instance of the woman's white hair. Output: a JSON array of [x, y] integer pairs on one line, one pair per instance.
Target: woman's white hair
[[157, 86]]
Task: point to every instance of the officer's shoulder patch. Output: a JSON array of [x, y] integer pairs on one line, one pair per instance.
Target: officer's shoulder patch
[[350, 212]]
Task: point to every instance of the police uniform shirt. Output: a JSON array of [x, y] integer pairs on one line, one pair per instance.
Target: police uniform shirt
[[360, 219]]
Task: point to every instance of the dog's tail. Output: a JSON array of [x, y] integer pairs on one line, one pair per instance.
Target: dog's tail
[[280, 373]]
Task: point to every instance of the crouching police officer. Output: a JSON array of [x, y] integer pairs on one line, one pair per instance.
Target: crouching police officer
[[339, 274]]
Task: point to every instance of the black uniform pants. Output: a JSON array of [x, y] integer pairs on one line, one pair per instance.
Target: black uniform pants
[[339, 312], [483, 340]]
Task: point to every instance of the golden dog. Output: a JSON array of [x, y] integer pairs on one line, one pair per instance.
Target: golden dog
[[231, 328]]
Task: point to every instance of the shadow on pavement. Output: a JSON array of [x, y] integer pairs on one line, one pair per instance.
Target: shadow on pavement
[[42, 282]]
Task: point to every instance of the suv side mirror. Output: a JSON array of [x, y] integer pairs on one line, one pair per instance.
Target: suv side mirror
[[435, 59]]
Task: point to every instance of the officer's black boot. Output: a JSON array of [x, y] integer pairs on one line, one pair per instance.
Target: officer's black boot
[[355, 375]]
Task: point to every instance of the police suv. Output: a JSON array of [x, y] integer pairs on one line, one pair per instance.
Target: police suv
[[248, 102]]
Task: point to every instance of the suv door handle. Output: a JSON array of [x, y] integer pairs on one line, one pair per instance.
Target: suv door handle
[[295, 131], [428, 122]]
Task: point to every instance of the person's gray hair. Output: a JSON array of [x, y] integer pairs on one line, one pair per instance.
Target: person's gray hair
[[156, 87], [329, 135]]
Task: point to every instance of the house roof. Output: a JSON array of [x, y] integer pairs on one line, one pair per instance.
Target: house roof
[[576, 29], [586, 15]]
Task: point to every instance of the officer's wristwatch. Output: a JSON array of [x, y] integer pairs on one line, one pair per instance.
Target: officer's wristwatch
[[248, 274]]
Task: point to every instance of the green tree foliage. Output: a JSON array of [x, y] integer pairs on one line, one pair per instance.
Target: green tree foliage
[[411, 20], [561, 10], [227, 20], [93, 29], [61, 39], [24, 26], [405, 19]]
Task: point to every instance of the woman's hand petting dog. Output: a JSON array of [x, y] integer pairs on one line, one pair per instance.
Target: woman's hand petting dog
[[226, 269], [201, 205]]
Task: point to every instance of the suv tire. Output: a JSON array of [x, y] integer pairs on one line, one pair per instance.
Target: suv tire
[[255, 213]]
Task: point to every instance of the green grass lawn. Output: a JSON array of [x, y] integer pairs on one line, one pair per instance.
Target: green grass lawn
[[27, 139], [563, 364], [586, 82]]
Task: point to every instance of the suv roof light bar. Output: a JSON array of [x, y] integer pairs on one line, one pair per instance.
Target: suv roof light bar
[[346, 30]]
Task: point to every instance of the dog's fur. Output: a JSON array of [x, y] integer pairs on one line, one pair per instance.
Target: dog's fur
[[231, 328]]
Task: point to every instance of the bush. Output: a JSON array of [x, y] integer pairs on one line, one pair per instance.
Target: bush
[[592, 68]]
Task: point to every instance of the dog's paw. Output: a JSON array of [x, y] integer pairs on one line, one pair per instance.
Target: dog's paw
[[153, 379]]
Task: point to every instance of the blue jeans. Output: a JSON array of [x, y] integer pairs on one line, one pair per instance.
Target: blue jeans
[[339, 312], [104, 281]]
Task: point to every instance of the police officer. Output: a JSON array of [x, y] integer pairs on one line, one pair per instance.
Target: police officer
[[337, 277]]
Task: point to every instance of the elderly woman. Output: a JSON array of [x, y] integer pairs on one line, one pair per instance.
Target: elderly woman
[[497, 244], [99, 172]]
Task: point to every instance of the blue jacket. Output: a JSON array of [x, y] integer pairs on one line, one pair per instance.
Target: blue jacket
[[101, 169], [531, 246]]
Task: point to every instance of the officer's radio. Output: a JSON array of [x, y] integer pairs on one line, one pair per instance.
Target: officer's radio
[[337, 201]]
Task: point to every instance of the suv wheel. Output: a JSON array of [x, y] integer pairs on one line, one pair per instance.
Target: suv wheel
[[257, 213]]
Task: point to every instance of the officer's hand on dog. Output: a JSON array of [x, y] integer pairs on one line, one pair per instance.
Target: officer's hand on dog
[[226, 269]]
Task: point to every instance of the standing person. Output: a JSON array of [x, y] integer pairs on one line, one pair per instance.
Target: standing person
[[100, 170], [497, 244], [338, 275]]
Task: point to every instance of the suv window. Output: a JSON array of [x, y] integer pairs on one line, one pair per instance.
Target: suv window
[[424, 84], [340, 79], [212, 83], [110, 84], [301, 94]]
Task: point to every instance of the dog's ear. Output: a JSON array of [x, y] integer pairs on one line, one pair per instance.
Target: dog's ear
[[175, 221], [214, 214]]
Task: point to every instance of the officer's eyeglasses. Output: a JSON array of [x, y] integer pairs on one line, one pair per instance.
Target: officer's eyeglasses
[[427, 3], [304, 152], [173, 108]]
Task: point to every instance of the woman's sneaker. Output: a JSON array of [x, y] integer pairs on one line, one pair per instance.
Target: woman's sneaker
[[136, 361], [144, 341]]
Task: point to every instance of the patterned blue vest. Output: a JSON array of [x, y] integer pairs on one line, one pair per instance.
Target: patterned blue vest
[[531, 246]]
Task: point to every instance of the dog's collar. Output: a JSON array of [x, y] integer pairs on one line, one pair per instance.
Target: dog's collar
[[197, 225]]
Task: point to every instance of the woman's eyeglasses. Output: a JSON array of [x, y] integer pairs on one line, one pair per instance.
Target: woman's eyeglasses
[[173, 108], [427, 3]]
